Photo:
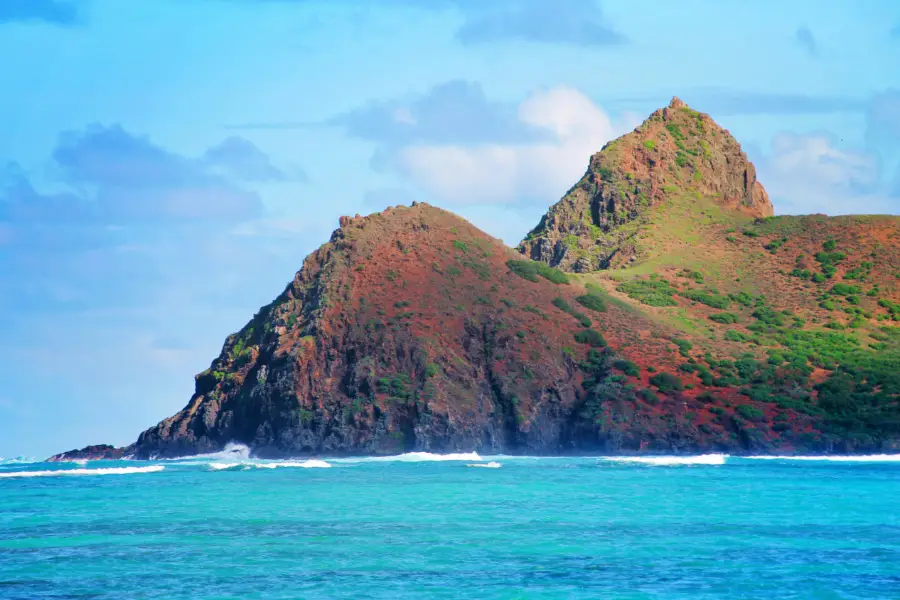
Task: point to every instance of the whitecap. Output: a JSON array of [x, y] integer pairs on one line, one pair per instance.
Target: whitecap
[[77, 472], [836, 458], [216, 466], [666, 461], [232, 451], [413, 457], [306, 464], [487, 465]]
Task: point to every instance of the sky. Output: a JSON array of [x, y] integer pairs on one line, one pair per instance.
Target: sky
[[166, 165]]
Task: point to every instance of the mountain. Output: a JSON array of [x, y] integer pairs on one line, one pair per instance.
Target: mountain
[[665, 311], [677, 151]]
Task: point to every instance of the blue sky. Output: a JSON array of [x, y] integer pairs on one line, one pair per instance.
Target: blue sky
[[165, 165]]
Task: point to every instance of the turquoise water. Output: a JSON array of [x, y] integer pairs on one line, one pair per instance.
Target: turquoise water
[[229, 527]]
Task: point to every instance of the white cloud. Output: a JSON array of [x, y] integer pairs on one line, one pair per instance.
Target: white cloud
[[497, 173], [808, 174]]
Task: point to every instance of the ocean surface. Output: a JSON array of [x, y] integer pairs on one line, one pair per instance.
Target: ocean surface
[[458, 526]]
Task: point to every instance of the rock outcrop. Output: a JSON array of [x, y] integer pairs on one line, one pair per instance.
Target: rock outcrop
[[675, 151], [96, 452]]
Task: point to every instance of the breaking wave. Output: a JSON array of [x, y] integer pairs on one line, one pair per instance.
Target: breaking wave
[[228, 466], [487, 465], [306, 464], [232, 452], [860, 458], [413, 457], [245, 466], [77, 472], [667, 461]]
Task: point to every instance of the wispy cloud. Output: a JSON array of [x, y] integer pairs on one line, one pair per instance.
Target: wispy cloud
[[242, 159], [809, 173], [579, 23], [568, 22], [489, 153], [451, 112]]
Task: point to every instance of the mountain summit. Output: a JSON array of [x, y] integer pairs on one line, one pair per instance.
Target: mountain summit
[[676, 151]]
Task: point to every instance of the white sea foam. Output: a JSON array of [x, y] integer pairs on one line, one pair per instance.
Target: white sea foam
[[77, 472], [247, 465], [217, 466], [860, 458], [667, 461], [487, 465], [413, 457], [232, 451], [312, 463]]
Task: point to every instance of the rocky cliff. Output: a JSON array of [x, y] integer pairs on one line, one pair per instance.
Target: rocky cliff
[[676, 151]]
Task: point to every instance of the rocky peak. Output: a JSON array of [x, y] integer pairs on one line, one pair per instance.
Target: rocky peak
[[676, 152]]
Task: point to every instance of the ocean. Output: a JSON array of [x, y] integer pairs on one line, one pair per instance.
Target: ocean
[[225, 526]]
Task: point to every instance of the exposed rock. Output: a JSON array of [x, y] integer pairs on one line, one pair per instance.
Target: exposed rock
[[98, 452], [675, 151]]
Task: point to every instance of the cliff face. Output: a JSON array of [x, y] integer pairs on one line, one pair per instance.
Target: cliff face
[[676, 151], [406, 331]]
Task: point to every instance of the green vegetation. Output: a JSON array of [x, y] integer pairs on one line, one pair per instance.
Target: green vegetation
[[590, 337], [684, 346], [774, 245], [666, 382], [592, 301], [564, 306], [650, 144], [860, 273], [750, 412], [654, 291], [707, 298], [535, 310], [531, 270], [893, 308], [697, 276], [628, 367], [829, 259], [726, 318], [733, 335], [397, 386], [648, 396], [431, 370], [461, 246], [842, 289]]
